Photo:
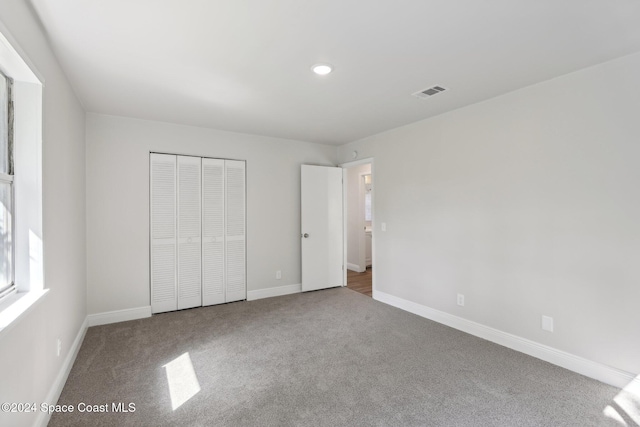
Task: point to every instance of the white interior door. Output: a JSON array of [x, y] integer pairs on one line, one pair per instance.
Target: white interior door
[[322, 222], [235, 231], [163, 233], [213, 257], [189, 233]]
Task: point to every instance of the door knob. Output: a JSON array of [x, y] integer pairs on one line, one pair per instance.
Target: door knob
[[305, 235]]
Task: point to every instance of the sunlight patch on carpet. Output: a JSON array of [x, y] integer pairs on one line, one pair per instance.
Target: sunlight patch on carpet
[[182, 379], [625, 408]]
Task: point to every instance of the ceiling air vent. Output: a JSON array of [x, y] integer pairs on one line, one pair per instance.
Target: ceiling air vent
[[428, 93]]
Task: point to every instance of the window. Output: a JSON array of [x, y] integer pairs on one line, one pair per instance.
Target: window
[[6, 188], [21, 246]]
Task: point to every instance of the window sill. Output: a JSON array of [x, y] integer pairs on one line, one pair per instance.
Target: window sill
[[16, 306]]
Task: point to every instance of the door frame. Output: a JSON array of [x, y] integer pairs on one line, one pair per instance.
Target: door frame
[[344, 167], [362, 235]]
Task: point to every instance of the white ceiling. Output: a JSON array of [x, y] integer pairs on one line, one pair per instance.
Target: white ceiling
[[244, 65]]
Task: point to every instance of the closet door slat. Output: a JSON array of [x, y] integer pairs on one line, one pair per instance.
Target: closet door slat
[[189, 232], [235, 231], [213, 256], [163, 232]]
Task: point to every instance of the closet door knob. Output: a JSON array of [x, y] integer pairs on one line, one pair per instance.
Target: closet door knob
[[305, 235]]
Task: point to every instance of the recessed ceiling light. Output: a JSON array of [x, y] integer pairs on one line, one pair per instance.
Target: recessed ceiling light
[[322, 69]]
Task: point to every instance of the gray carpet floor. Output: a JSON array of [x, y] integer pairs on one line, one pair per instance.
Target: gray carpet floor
[[325, 358]]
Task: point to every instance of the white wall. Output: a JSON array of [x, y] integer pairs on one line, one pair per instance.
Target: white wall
[[528, 204], [355, 222], [28, 348], [118, 202]]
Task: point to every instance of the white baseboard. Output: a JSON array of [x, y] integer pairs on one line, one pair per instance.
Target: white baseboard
[[598, 371], [56, 389], [119, 316], [354, 267], [274, 292]]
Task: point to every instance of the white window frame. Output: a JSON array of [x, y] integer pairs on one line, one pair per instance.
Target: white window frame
[[7, 178], [27, 86]]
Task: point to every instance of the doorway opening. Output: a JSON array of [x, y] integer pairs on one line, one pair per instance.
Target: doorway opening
[[358, 218]]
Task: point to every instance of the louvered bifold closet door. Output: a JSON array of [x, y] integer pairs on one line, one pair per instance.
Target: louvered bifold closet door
[[213, 271], [189, 233], [163, 233], [235, 231]]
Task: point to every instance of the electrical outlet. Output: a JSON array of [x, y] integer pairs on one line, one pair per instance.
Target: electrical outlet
[[59, 347], [383, 226], [278, 274], [461, 300], [547, 323]]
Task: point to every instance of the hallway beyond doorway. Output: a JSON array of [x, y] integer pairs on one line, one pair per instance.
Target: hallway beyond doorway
[[360, 282]]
